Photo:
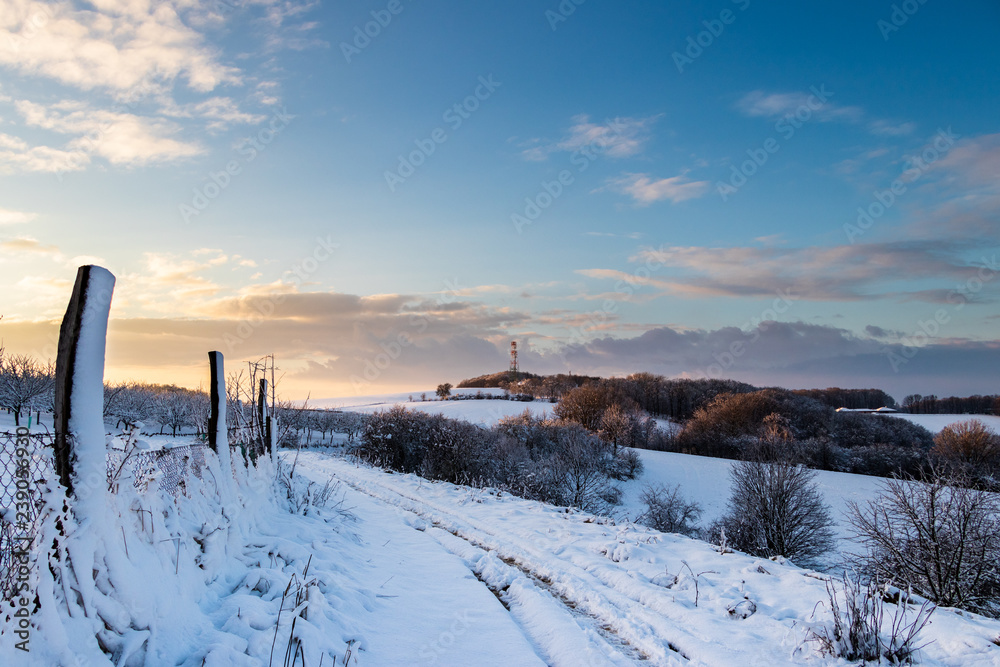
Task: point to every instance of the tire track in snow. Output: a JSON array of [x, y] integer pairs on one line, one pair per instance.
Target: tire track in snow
[[552, 622], [657, 636]]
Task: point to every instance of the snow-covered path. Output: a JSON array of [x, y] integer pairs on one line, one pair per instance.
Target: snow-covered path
[[582, 591]]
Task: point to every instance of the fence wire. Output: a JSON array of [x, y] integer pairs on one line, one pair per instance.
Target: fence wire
[[27, 464]]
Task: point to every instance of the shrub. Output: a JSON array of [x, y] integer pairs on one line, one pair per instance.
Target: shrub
[[551, 461], [856, 633], [938, 537], [972, 447], [668, 511], [775, 509]]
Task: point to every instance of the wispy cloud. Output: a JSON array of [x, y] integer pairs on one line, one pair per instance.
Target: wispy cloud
[[219, 112], [887, 129], [9, 217], [617, 138], [645, 189], [17, 156], [119, 67], [835, 273], [121, 138], [759, 103], [777, 105]]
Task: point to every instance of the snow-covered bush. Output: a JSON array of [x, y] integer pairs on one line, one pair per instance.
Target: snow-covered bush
[[775, 509], [668, 511], [553, 461]]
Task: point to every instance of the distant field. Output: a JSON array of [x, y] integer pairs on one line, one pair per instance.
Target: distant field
[[935, 423]]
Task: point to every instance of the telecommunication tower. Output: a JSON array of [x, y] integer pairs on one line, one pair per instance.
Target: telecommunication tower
[[513, 360]]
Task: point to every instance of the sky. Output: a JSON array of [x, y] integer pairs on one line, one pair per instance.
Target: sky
[[385, 194]]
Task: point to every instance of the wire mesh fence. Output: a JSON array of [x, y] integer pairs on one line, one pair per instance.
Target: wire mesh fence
[[27, 466]]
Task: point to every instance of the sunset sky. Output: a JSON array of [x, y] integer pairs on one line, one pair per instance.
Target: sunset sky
[[384, 194]]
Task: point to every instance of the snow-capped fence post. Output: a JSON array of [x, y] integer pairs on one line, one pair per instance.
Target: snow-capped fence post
[[218, 436], [80, 446]]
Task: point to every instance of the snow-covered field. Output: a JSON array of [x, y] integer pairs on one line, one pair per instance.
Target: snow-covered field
[[936, 423], [404, 571], [706, 481], [585, 591], [485, 412]]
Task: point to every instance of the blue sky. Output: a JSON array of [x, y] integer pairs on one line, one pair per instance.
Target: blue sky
[[672, 187]]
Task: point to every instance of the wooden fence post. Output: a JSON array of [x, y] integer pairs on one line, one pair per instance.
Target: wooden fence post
[[80, 449], [217, 400], [262, 416], [218, 434]]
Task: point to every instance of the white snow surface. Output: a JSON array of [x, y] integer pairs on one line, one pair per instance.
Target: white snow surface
[[484, 412], [412, 572], [936, 423], [583, 590]]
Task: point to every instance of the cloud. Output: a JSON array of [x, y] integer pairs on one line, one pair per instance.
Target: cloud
[[17, 156], [835, 273], [617, 138], [973, 162], [220, 112], [645, 189], [25, 245], [9, 217], [115, 45], [777, 105], [790, 354], [137, 55], [758, 103], [121, 138], [886, 129]]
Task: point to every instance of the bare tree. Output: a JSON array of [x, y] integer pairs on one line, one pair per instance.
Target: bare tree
[[25, 384], [939, 537], [129, 403], [775, 509], [971, 446]]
